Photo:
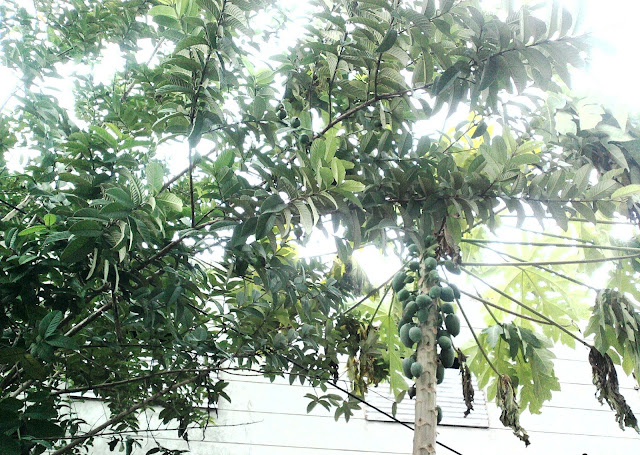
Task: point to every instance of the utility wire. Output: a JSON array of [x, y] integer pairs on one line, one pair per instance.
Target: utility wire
[[357, 398]]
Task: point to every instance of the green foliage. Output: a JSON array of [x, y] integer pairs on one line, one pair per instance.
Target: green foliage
[[123, 275]]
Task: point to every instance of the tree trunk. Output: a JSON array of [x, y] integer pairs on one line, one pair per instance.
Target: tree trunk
[[424, 436]]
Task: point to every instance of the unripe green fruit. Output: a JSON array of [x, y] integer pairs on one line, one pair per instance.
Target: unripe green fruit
[[451, 267], [406, 367], [429, 240], [439, 373], [444, 342], [447, 357], [422, 314], [403, 295], [447, 294], [416, 369], [414, 265], [404, 335], [452, 323], [456, 291], [446, 308], [434, 276], [413, 249], [439, 411], [409, 279], [430, 263], [415, 334], [304, 139], [282, 114], [423, 301], [411, 308], [295, 122], [434, 292], [398, 281], [442, 332]]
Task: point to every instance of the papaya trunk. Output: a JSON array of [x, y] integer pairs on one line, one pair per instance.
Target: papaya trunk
[[424, 436]]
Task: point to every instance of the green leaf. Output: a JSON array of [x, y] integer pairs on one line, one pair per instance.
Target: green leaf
[[162, 10], [49, 219], [32, 230], [49, 324], [626, 192], [273, 204], [86, 228], [489, 73], [353, 186], [120, 196], [76, 250], [155, 175], [169, 201], [103, 134], [305, 216], [61, 341]]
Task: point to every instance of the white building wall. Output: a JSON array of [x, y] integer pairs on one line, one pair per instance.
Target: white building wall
[[270, 418]]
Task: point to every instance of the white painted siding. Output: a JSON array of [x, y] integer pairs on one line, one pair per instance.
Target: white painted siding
[[270, 418]]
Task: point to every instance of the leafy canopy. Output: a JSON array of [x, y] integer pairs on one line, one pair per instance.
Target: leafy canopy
[[123, 276]]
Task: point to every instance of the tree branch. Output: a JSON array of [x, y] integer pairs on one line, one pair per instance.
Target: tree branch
[[122, 415]]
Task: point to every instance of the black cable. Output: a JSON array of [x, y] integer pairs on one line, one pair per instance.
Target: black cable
[[370, 405]]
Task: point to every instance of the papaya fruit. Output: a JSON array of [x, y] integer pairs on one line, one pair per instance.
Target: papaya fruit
[[429, 240], [452, 267], [414, 265], [430, 263], [416, 369], [403, 295], [439, 412], [414, 249], [446, 308], [406, 367], [444, 342], [422, 314], [434, 276], [398, 281], [415, 334], [404, 335], [411, 308], [447, 357], [442, 332], [447, 294], [456, 291], [452, 323], [423, 301], [439, 373], [434, 292]]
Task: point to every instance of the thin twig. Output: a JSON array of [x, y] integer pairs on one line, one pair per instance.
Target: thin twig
[[123, 414]]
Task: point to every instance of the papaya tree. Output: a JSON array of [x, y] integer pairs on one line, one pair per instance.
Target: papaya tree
[[125, 275]]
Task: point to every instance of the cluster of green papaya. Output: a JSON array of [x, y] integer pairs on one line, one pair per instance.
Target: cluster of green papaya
[[417, 307]]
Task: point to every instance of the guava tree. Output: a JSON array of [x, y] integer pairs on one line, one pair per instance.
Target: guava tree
[[138, 282]]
